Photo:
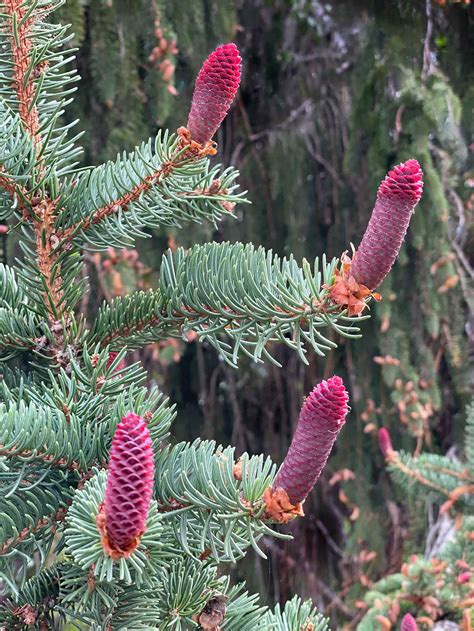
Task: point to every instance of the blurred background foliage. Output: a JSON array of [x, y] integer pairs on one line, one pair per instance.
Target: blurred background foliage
[[333, 94]]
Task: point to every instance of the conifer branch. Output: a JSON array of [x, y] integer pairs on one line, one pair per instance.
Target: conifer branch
[[50, 521], [162, 182], [23, 80], [138, 548], [129, 320], [460, 475], [36, 601], [34, 455], [221, 512], [17, 164], [48, 259], [411, 472], [236, 292], [233, 291], [456, 495], [12, 188], [119, 203], [25, 77], [174, 177], [20, 330], [445, 477]]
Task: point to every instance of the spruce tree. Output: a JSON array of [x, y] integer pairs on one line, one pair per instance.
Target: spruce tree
[[436, 583], [104, 523]]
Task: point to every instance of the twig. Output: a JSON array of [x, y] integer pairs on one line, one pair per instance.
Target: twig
[[122, 202], [329, 540], [427, 43], [398, 123], [458, 236], [394, 460], [25, 87], [335, 600], [50, 521], [47, 258], [23, 84], [13, 453], [322, 161]]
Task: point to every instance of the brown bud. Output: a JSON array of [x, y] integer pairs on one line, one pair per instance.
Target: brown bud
[[212, 616]]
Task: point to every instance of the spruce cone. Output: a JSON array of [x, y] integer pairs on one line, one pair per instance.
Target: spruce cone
[[321, 418], [385, 442], [129, 483], [408, 623], [215, 89], [111, 359], [397, 197]]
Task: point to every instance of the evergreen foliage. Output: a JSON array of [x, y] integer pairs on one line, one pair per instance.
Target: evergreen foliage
[[59, 418], [314, 138], [75, 546], [439, 583]]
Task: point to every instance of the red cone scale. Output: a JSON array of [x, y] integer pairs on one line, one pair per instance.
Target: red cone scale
[[129, 483], [321, 418], [215, 89], [408, 623], [397, 197]]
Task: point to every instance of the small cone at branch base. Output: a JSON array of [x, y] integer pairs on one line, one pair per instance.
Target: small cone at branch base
[[408, 623], [397, 197], [215, 89], [321, 418], [464, 577], [385, 442], [129, 487]]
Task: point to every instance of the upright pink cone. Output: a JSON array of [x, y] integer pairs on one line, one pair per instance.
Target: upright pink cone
[[129, 483], [385, 442], [321, 418], [408, 623], [397, 197], [215, 89]]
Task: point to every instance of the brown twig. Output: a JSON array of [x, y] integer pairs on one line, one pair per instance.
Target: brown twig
[[127, 330], [120, 203], [7, 184], [427, 42], [62, 462], [57, 517], [187, 150], [394, 460], [47, 257], [13, 189], [23, 84], [455, 495], [461, 475], [9, 341], [187, 314]]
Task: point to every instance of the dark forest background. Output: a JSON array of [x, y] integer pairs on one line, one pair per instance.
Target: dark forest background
[[333, 94]]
